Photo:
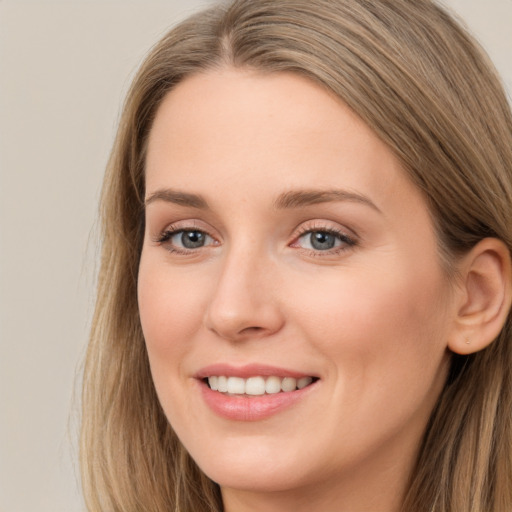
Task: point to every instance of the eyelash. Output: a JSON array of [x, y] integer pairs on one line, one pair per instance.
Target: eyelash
[[171, 231], [347, 241]]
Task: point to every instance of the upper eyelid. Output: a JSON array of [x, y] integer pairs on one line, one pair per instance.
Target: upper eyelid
[[187, 225], [326, 229], [324, 225]]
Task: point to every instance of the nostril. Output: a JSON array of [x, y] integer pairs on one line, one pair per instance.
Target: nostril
[[252, 329], [252, 332]]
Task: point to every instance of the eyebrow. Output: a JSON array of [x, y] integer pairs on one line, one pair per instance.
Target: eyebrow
[[180, 198], [300, 198], [287, 200]]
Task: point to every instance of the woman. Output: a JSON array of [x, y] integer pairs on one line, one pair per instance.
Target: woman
[[304, 296]]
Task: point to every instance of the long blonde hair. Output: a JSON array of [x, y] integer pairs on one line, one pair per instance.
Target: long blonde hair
[[427, 90]]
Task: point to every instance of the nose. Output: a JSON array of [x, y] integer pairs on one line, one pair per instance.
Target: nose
[[244, 303]]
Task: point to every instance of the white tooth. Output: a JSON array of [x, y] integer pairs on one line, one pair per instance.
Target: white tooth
[[289, 384], [213, 381], [305, 381], [273, 385], [255, 386], [222, 384], [236, 385]]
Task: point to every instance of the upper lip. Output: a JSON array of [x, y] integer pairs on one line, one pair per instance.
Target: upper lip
[[248, 370]]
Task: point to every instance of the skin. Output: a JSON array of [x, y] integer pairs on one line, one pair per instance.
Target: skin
[[370, 318]]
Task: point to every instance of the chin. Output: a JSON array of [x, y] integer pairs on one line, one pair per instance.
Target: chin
[[258, 478], [260, 468]]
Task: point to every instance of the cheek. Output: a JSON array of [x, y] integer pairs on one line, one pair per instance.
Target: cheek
[[171, 312], [383, 335], [379, 329]]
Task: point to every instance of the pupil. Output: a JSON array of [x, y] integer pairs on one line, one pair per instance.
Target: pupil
[[322, 241], [192, 239]]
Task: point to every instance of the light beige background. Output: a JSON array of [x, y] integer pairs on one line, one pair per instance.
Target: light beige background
[[64, 67]]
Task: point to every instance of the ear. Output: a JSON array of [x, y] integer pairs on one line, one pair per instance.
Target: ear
[[484, 296]]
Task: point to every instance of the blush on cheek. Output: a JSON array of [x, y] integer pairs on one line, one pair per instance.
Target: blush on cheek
[[171, 313], [391, 313]]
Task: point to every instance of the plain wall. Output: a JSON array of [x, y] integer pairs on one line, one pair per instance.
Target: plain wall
[[64, 68]]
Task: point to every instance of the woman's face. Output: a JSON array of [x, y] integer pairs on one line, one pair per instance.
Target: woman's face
[[285, 247]]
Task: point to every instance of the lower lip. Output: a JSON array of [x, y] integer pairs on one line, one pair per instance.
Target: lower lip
[[252, 408]]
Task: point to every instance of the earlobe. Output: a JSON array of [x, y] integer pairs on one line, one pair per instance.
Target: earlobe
[[485, 296]]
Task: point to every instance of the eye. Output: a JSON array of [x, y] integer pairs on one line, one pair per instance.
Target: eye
[[190, 239], [323, 240], [185, 239]]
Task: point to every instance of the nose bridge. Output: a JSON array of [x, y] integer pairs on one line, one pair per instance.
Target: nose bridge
[[243, 302]]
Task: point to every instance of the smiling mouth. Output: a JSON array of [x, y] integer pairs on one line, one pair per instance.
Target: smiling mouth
[[258, 385]]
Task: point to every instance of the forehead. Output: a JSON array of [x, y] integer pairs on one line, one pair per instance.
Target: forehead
[[266, 133], [242, 103]]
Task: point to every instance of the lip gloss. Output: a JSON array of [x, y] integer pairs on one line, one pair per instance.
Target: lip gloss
[[245, 407], [254, 408]]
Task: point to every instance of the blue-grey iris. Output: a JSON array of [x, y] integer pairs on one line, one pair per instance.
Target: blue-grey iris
[[320, 240], [193, 239]]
